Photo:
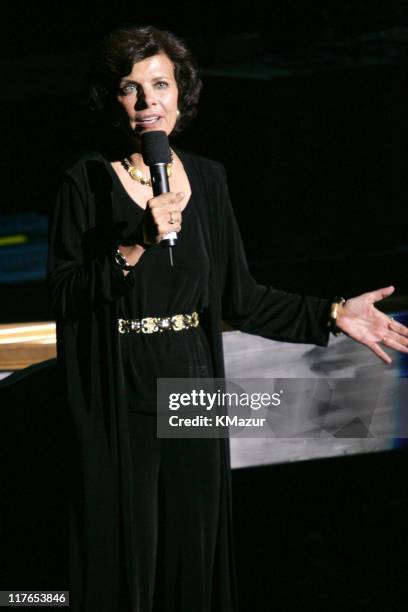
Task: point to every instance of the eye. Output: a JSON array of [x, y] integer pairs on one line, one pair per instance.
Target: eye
[[128, 89], [162, 84]]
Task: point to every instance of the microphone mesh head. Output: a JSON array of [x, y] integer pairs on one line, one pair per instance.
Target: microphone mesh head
[[155, 148]]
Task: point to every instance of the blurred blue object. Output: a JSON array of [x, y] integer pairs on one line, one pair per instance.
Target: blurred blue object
[[27, 261]]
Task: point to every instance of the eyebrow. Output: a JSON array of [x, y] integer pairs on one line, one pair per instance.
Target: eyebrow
[[156, 78]]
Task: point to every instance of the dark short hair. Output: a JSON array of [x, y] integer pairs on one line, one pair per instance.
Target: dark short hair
[[114, 59]]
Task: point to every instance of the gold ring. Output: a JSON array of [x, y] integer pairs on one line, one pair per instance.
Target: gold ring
[[171, 221]]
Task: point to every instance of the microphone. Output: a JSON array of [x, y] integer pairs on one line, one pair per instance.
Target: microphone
[[156, 154]]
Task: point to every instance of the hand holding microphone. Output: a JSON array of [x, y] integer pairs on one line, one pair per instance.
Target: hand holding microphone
[[165, 208], [164, 218]]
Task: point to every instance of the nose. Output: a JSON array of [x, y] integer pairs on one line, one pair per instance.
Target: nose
[[145, 98]]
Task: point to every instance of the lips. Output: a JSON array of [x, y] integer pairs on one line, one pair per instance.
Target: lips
[[148, 121]]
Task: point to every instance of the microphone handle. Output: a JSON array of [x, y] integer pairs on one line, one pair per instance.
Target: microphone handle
[[160, 184]]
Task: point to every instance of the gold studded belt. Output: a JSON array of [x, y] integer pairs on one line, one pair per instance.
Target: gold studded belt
[[152, 325]]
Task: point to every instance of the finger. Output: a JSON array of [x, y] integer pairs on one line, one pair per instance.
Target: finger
[[379, 352], [401, 339], [168, 230], [166, 199], [395, 344], [174, 205], [380, 294], [172, 226], [164, 217], [173, 212], [178, 225], [398, 328], [173, 219], [174, 199]]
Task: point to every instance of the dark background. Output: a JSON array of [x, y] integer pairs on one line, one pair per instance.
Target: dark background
[[304, 103]]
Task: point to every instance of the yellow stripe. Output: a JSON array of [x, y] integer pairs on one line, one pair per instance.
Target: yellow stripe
[[17, 239]]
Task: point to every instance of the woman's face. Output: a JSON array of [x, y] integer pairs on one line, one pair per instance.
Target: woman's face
[[148, 96]]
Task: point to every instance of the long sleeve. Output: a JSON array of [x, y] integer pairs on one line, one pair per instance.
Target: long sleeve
[[258, 309], [81, 272]]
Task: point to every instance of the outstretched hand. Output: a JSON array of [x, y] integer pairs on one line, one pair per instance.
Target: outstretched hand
[[360, 319]]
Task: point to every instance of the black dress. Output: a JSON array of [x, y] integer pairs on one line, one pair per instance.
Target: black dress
[[161, 290], [89, 293], [176, 482]]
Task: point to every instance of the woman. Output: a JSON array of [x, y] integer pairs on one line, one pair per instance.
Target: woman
[[150, 518]]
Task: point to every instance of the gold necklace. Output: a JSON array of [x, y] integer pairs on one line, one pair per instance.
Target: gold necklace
[[137, 175]]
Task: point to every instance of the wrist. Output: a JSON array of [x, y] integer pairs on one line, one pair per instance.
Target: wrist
[[336, 311], [121, 261]]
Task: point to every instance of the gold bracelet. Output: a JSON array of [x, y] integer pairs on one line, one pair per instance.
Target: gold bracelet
[[334, 310]]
